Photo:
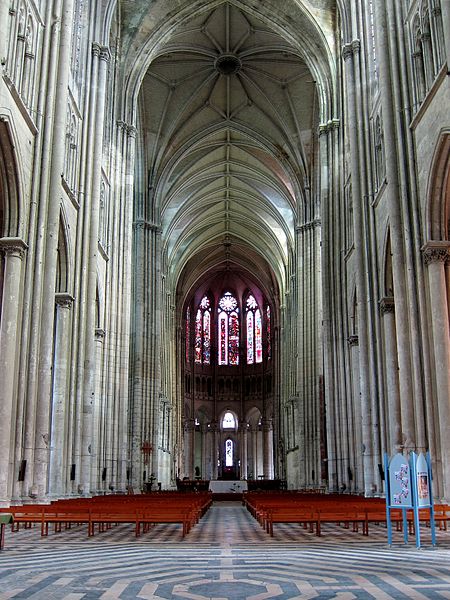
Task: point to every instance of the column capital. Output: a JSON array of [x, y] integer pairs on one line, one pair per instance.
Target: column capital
[[387, 305], [131, 131], [64, 299], [99, 333], [143, 224], [347, 51], [356, 46], [101, 52], [292, 401], [13, 246], [353, 340], [436, 251], [267, 425], [306, 226]]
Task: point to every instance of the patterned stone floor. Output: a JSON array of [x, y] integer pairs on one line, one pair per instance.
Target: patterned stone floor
[[226, 556]]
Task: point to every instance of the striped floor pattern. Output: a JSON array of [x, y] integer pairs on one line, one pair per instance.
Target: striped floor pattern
[[226, 556]]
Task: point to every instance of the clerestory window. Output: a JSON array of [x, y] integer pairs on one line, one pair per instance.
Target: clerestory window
[[251, 328], [228, 330]]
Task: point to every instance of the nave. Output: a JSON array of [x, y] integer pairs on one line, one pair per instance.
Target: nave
[[226, 555]]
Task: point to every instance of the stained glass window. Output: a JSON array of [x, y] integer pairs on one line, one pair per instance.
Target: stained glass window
[[202, 350], [228, 330], [229, 453], [258, 336], [188, 332], [256, 326], [250, 346], [198, 337], [254, 331], [206, 337]]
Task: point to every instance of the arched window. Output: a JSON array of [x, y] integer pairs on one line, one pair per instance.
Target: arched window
[[188, 332], [254, 331], [203, 332], [228, 421], [268, 333], [229, 453], [379, 152], [228, 330], [419, 67]]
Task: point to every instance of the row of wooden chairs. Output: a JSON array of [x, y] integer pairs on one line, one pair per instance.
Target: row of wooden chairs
[[313, 511], [101, 512]]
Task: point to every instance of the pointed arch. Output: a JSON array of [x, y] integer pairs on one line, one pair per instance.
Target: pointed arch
[[388, 277], [63, 274], [229, 420], [9, 183]]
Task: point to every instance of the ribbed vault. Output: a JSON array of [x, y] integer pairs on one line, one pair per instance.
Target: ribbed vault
[[228, 113]]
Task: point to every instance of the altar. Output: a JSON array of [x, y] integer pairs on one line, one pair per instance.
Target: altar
[[230, 486]]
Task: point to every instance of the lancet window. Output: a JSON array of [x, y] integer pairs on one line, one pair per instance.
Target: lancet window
[[188, 332], [70, 173], [229, 453], [228, 330], [254, 331], [22, 48], [427, 45], [202, 350]]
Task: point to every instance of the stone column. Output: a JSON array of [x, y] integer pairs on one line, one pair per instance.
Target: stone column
[[60, 396], [392, 384], [361, 259], [358, 470], [38, 419], [215, 444], [254, 442], [189, 448], [14, 252], [101, 56], [204, 461], [436, 256], [267, 449], [98, 416], [243, 440], [397, 204]]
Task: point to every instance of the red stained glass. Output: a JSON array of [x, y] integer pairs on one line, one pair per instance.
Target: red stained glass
[[198, 337], [233, 339], [250, 355], [188, 332], [223, 355], [258, 336], [206, 337]]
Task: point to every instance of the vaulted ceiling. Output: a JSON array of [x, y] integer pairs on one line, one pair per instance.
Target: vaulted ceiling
[[228, 118]]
